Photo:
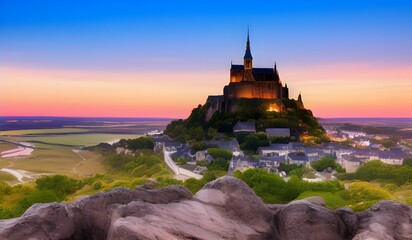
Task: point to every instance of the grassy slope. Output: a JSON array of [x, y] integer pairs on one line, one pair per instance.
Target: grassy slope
[[60, 160], [6, 146]]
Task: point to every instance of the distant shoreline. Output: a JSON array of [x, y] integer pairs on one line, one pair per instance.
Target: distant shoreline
[[82, 118], [37, 122]]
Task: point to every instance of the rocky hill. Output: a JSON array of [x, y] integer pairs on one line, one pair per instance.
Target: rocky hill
[[199, 125], [223, 209]]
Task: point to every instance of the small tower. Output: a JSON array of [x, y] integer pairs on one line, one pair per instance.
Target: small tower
[[247, 62], [300, 102], [300, 98], [276, 73]]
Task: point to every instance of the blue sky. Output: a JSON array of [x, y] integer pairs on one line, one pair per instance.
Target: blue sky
[[201, 34], [348, 58]]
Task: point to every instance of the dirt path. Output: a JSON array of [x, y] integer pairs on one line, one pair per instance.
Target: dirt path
[[74, 169], [21, 175]]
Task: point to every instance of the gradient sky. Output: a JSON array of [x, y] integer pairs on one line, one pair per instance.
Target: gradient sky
[[161, 59]]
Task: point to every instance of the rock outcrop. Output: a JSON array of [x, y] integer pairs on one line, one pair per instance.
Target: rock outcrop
[[223, 209]]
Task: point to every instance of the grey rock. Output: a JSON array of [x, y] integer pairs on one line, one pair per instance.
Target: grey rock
[[385, 220], [304, 220], [223, 209], [92, 215], [350, 219], [316, 200], [41, 221]]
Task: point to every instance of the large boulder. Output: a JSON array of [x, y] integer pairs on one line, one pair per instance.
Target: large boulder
[[41, 221], [224, 209], [92, 215], [385, 220], [304, 220]]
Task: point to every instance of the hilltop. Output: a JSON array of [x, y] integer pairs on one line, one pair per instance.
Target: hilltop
[[301, 122], [256, 95]]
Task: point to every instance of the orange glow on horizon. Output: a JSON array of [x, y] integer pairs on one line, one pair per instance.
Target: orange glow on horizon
[[342, 90]]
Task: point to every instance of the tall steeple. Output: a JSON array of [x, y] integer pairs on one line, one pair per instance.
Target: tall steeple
[[247, 62], [247, 59]]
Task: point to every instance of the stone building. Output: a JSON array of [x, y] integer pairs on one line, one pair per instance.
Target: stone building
[[248, 82]]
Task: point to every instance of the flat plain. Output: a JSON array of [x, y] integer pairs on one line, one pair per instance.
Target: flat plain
[[58, 150]]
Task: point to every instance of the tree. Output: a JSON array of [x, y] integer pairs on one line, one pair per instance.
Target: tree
[[254, 141], [289, 167], [323, 163], [141, 143], [219, 164], [220, 153], [407, 162]]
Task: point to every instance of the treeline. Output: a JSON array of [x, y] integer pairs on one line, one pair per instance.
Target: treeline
[[376, 170]]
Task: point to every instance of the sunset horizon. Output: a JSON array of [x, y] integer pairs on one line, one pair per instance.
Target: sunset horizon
[[122, 60]]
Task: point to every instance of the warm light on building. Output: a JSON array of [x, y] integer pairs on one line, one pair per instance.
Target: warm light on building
[[273, 108]]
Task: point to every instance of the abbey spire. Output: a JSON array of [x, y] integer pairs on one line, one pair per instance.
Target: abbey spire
[[247, 62], [248, 54]]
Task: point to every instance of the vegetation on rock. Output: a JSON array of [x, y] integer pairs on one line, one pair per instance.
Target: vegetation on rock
[[196, 128]]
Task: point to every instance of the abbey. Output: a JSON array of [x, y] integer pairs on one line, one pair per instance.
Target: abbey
[[247, 82]]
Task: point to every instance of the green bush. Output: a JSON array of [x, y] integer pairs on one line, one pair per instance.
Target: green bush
[[253, 141], [376, 170], [39, 196], [61, 185], [139, 171], [181, 161], [323, 163], [219, 164], [97, 185], [220, 153], [140, 143], [273, 189], [289, 167]]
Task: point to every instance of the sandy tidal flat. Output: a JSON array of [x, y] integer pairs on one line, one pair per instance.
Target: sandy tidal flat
[[20, 151]]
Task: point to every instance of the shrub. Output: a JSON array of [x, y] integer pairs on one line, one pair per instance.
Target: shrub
[[323, 163], [140, 143], [61, 185], [97, 185], [39, 196], [220, 153]]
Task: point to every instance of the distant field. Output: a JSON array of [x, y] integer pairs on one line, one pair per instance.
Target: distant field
[[56, 138], [53, 154], [6, 146], [7, 178], [48, 159], [85, 139], [42, 131]]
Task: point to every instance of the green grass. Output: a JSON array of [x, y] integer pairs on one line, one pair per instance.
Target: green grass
[[332, 200], [60, 160], [7, 178], [42, 131]]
